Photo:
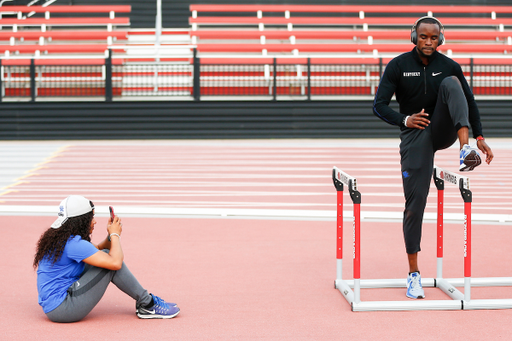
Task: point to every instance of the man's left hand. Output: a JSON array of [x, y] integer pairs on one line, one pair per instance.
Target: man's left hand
[[482, 145]]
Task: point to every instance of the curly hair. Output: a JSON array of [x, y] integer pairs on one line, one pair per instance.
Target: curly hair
[[52, 242]]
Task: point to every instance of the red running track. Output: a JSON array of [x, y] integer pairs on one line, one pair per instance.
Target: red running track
[[249, 279], [250, 176]]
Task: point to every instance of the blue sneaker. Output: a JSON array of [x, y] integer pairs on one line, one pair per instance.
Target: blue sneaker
[[469, 158], [159, 310], [414, 288], [169, 303]]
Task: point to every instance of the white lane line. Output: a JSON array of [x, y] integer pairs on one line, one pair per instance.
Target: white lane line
[[170, 175], [16, 160], [199, 155], [138, 211], [144, 193], [181, 203], [140, 183], [208, 193]]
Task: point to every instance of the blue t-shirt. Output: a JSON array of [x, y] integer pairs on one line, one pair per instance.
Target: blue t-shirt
[[53, 280]]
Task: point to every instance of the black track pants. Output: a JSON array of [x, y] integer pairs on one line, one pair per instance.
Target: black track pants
[[417, 148]]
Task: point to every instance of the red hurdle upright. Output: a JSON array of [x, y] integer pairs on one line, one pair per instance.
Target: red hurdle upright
[[340, 179]]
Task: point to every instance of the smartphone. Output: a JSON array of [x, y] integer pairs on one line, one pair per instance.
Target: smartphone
[[112, 215]]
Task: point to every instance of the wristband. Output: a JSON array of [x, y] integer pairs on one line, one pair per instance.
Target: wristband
[[115, 234], [480, 138], [405, 120]]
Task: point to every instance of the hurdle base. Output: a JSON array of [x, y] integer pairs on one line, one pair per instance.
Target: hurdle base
[[431, 282], [345, 290], [389, 283], [457, 301], [482, 281], [487, 304], [407, 305], [449, 289]]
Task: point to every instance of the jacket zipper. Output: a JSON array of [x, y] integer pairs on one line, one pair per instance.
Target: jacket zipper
[[425, 76]]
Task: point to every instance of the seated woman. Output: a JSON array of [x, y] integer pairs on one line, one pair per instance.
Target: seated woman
[[73, 274]]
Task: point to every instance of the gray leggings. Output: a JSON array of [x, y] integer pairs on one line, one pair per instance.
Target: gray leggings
[[84, 294]]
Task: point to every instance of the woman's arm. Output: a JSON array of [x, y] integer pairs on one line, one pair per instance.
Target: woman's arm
[[114, 259], [105, 243]]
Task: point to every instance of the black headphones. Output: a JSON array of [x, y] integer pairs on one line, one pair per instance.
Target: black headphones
[[414, 34]]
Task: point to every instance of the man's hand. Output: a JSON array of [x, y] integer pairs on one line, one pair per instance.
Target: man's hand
[[418, 121], [482, 145]]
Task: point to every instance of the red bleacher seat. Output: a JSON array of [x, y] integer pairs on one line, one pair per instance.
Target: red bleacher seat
[[349, 47], [351, 8], [345, 21], [68, 9], [342, 34], [62, 48], [62, 61], [85, 21], [64, 35]]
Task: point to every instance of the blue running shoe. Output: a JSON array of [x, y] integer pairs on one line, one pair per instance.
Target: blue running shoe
[[159, 310], [469, 158], [414, 288], [169, 303]]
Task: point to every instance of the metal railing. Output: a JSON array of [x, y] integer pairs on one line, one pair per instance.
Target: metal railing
[[302, 80]]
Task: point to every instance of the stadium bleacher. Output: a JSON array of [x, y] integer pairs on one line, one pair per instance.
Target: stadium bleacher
[[348, 35], [351, 31], [351, 16], [23, 20], [288, 46]]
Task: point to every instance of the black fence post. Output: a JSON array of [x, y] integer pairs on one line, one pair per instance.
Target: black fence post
[[108, 77], [196, 82], [32, 80], [471, 73], [309, 79], [1, 82], [274, 91]]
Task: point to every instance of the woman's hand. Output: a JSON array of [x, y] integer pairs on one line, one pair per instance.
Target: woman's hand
[[115, 227], [113, 260]]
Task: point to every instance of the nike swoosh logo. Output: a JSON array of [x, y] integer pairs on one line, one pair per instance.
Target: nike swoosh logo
[[436, 74], [148, 311]]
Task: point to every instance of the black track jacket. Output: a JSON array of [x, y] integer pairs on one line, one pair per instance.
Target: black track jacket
[[416, 86]]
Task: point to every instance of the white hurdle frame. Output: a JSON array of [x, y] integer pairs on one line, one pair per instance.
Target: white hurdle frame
[[350, 289]]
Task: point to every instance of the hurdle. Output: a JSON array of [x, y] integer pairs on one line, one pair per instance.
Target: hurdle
[[351, 289]]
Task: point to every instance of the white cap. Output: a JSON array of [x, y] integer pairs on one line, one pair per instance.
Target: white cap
[[72, 206]]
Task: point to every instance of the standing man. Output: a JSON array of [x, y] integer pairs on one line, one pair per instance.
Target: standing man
[[436, 107]]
